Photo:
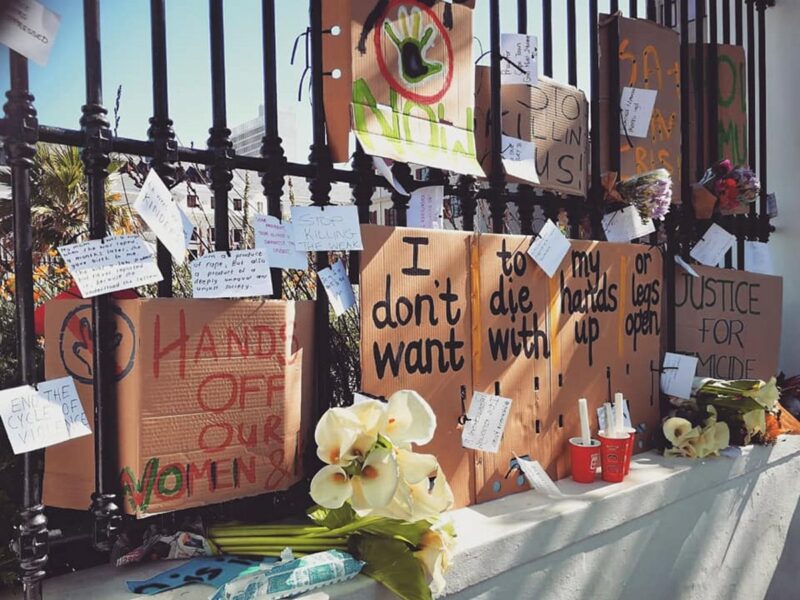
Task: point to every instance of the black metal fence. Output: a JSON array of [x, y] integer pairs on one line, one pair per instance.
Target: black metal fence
[[21, 132]]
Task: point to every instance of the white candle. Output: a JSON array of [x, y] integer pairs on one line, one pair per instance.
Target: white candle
[[586, 437], [609, 420], [619, 417]]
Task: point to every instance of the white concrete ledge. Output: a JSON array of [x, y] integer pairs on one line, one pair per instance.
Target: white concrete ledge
[[676, 528]]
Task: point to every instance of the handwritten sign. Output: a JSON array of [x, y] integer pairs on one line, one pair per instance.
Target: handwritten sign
[[338, 287], [426, 207], [626, 225], [636, 108], [677, 375], [328, 228], [730, 320], [757, 258], [29, 28], [38, 417], [537, 477], [486, 421], [549, 248], [519, 57], [235, 274], [114, 263], [273, 236], [161, 214], [715, 242], [519, 158]]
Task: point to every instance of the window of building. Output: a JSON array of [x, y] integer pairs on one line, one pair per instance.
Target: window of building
[[237, 236], [213, 203], [191, 200], [211, 235], [195, 235], [260, 207], [237, 204]]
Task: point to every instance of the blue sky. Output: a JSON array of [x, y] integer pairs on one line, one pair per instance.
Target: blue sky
[[125, 30]]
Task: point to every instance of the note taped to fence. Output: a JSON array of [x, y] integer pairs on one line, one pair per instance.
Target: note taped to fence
[[48, 414], [730, 320], [486, 422], [233, 274], [518, 64], [325, 228], [163, 216], [677, 375], [426, 208], [114, 263], [29, 28], [338, 287], [549, 247], [711, 248], [274, 237]]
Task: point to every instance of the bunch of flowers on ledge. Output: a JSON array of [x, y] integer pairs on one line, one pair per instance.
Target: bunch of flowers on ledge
[[723, 413], [376, 498], [733, 187]]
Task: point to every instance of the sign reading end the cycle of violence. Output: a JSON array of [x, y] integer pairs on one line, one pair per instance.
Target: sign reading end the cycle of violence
[[213, 395], [730, 320], [449, 313], [406, 80]]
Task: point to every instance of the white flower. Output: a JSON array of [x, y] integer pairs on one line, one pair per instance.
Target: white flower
[[409, 419], [340, 437], [767, 394], [416, 467], [331, 487], [418, 501], [435, 553], [676, 430], [376, 484]]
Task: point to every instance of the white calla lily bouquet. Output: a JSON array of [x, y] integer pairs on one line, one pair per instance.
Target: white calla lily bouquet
[[376, 498]]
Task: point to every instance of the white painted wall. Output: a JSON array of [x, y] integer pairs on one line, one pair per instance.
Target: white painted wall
[[783, 151]]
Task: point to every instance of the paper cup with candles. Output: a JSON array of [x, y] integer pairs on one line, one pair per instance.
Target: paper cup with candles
[[616, 443], [619, 422], [584, 452]]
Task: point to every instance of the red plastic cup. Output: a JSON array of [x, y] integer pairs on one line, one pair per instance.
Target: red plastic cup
[[613, 453], [631, 442], [584, 459]]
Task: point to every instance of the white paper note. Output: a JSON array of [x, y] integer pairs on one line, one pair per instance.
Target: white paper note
[[626, 225], [758, 259], [688, 268], [426, 208], [486, 421], [114, 263], [549, 248], [338, 287], [519, 62], [38, 418], [635, 110], [519, 158], [29, 28], [538, 478], [712, 246], [328, 228], [677, 375], [273, 236], [385, 168], [601, 416], [163, 216], [234, 274]]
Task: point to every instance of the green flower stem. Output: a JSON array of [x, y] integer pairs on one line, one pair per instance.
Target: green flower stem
[[351, 527], [280, 540], [246, 530]]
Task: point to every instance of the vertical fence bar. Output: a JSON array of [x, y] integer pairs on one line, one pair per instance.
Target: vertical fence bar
[[738, 21], [466, 194], [160, 132], [525, 194], [363, 189], [685, 223], [271, 144], [219, 135], [30, 528], [594, 81], [320, 188], [572, 45], [402, 174], [652, 13], [699, 86], [97, 144], [547, 37], [613, 6], [726, 21], [667, 16], [497, 207], [751, 107], [614, 96], [741, 220], [633, 9], [763, 222]]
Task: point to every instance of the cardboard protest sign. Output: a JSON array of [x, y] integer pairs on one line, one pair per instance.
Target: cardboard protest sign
[[605, 324], [730, 320], [649, 58], [731, 110], [552, 115], [416, 331], [511, 352], [214, 399], [407, 81]]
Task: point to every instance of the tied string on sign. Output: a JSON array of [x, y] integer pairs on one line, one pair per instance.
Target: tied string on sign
[[505, 58], [660, 371], [306, 36], [513, 464], [463, 418]]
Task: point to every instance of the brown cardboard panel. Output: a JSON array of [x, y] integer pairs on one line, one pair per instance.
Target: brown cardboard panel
[[336, 92], [731, 320], [412, 83], [415, 309], [511, 350], [553, 115], [649, 58], [211, 397], [731, 110]]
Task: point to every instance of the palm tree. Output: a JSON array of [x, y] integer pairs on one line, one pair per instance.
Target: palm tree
[[59, 199]]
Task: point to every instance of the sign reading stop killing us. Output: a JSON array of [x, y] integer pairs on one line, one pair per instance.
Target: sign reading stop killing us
[[730, 320]]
